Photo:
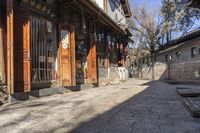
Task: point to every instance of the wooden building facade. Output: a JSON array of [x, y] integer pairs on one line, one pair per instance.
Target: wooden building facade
[[51, 43]]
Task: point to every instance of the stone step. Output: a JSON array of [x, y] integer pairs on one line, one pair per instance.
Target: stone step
[[21, 96], [81, 87], [193, 105], [47, 92], [188, 92], [3, 94]]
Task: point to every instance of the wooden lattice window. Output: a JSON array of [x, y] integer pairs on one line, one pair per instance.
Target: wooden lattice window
[[102, 49], [42, 41]]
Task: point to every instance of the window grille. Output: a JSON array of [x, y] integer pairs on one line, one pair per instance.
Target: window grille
[[193, 52], [42, 59]]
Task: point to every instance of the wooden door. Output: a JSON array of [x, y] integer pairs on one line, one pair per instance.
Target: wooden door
[[92, 63], [67, 56], [21, 50]]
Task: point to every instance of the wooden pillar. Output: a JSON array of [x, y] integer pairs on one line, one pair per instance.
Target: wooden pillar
[[73, 55], [2, 65], [10, 78]]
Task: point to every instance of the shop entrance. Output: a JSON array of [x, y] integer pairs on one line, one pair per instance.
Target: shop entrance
[[86, 61], [81, 61], [34, 42]]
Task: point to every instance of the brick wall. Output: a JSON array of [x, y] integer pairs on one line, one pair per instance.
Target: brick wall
[[157, 71], [182, 67], [186, 71]]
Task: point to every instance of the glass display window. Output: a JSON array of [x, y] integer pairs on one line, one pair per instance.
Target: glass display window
[[81, 61]]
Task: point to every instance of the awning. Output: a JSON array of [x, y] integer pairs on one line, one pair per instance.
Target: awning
[[126, 8], [97, 11]]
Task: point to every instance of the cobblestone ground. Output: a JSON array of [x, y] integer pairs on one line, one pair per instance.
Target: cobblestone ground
[[136, 106]]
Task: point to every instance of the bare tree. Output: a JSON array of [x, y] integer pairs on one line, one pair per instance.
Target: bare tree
[[145, 28]]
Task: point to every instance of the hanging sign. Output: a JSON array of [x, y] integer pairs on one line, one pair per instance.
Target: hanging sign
[[40, 7], [64, 39], [49, 26]]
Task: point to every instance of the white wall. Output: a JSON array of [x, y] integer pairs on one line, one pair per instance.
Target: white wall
[[115, 11], [100, 3]]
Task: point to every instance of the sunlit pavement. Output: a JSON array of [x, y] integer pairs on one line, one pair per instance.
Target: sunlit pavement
[[136, 106]]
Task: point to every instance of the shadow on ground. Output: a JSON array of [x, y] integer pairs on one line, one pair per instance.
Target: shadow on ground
[[158, 109]]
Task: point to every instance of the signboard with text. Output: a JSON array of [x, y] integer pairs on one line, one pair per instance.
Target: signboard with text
[[39, 6]]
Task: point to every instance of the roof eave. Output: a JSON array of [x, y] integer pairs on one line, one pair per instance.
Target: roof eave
[[104, 18], [127, 7]]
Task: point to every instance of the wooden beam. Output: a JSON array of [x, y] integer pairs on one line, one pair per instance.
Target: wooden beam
[[63, 2], [10, 65], [126, 8]]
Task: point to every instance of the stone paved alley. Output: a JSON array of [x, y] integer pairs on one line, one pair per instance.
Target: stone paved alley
[[136, 106]]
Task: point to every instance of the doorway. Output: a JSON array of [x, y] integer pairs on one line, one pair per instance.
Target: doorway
[[66, 55], [81, 61], [86, 61]]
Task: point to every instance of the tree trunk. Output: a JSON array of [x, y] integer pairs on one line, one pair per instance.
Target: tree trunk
[[167, 36], [163, 39], [152, 48], [170, 36]]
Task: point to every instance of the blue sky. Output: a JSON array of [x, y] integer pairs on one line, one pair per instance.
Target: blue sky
[[155, 4], [148, 3]]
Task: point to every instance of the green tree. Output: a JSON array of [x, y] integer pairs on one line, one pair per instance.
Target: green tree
[[177, 17]]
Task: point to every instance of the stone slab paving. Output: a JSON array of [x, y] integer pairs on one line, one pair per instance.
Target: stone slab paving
[[137, 106]]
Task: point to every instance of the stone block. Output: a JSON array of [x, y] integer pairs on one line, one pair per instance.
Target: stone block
[[115, 81], [3, 95], [193, 106]]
